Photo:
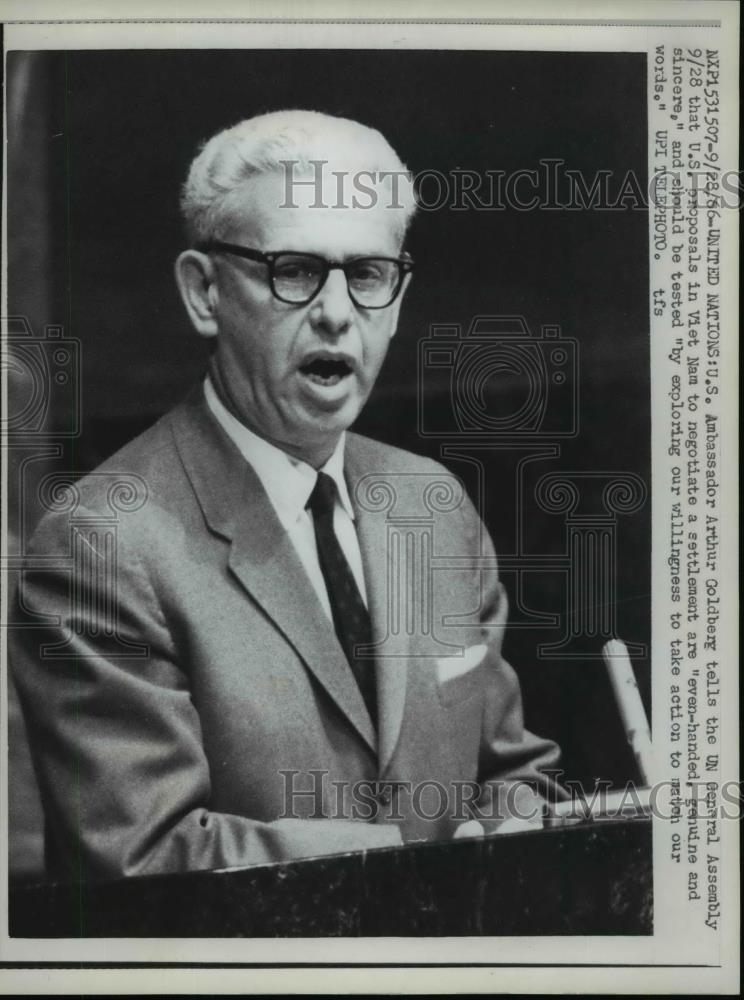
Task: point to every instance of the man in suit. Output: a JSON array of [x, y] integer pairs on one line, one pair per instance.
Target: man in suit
[[258, 637]]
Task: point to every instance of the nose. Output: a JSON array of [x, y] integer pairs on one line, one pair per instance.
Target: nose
[[333, 311]]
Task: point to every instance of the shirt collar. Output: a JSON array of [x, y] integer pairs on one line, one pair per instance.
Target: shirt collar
[[288, 481]]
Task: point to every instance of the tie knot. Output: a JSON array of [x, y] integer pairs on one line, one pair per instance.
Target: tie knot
[[323, 498]]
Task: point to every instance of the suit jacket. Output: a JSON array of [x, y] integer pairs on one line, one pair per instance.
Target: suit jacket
[[188, 703]]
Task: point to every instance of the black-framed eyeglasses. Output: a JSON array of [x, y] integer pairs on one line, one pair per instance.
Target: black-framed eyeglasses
[[296, 278]]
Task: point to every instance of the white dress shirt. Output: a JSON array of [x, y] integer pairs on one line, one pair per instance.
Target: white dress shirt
[[288, 483]]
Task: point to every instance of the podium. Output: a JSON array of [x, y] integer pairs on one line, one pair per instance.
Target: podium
[[593, 878]]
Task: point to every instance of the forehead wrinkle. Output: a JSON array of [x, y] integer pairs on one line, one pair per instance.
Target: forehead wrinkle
[[259, 204]]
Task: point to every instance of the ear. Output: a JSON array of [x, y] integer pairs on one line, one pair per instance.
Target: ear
[[196, 279], [399, 302]]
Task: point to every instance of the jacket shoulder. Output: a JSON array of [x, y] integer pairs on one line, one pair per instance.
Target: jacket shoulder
[[131, 482], [415, 476], [374, 456], [139, 467]]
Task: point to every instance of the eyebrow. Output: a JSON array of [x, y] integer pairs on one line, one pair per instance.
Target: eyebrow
[[344, 258]]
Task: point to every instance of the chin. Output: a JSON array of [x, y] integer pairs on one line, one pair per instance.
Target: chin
[[327, 431], [334, 421]]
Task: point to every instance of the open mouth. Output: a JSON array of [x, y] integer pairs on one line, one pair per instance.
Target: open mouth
[[326, 371]]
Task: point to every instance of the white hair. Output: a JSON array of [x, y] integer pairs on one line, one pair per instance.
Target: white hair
[[266, 143]]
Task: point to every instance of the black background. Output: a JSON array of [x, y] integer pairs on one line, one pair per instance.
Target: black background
[[119, 130]]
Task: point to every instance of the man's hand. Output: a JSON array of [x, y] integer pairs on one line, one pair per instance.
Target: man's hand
[[516, 825], [470, 828]]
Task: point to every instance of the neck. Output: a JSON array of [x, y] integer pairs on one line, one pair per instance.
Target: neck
[[314, 454]]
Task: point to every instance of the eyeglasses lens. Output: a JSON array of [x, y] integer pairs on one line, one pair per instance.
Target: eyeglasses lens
[[372, 281]]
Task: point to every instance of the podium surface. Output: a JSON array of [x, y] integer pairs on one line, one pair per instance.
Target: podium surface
[[590, 879]]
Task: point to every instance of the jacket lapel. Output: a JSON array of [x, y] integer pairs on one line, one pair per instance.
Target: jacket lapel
[[262, 556], [391, 660]]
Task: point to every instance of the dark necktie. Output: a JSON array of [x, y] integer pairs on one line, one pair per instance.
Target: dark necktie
[[350, 615]]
